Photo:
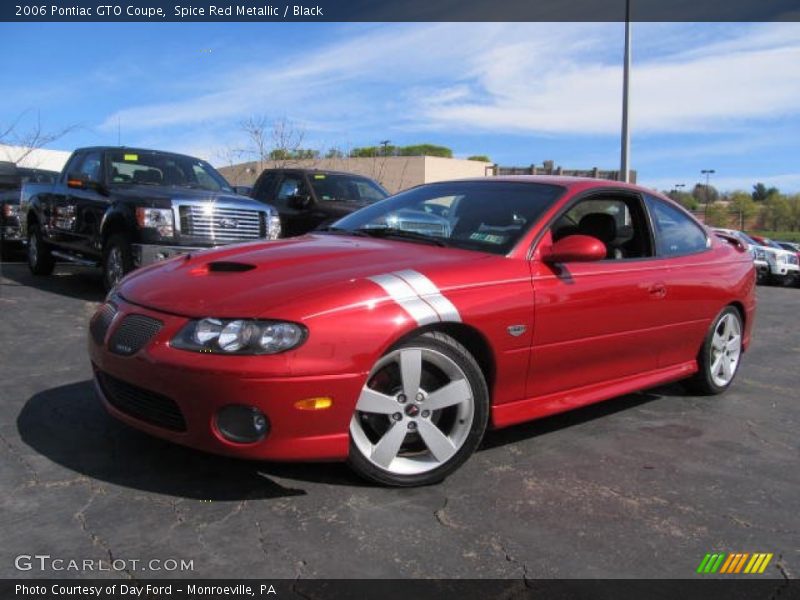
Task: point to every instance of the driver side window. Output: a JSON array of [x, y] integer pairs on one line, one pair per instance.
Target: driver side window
[[289, 187], [617, 221]]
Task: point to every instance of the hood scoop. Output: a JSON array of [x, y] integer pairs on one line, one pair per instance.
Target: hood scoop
[[224, 266]]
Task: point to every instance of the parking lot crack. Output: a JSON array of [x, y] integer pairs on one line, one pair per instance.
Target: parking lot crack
[[96, 540], [33, 478], [442, 517], [499, 545]]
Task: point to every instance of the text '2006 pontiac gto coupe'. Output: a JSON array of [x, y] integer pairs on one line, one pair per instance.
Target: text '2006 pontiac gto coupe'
[[395, 337]]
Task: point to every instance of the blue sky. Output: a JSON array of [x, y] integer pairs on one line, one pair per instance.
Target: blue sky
[[704, 96]]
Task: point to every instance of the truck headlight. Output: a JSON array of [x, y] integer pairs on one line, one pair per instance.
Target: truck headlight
[[239, 336], [10, 210], [160, 219], [273, 227]]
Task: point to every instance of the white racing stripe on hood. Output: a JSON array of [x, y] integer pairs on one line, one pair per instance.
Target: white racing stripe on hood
[[418, 296]]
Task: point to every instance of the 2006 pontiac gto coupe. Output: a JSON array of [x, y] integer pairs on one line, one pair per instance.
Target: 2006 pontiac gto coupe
[[395, 337]]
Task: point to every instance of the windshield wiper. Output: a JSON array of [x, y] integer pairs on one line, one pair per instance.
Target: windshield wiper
[[340, 231], [394, 232]]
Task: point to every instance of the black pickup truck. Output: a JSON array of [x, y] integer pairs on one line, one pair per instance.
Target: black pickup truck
[[120, 208], [309, 198], [12, 178]]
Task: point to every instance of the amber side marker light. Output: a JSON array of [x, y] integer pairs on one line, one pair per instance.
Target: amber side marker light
[[321, 403]]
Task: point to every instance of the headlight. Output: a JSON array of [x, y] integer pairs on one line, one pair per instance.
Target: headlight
[[782, 258], [10, 210], [160, 219], [240, 336], [273, 226]]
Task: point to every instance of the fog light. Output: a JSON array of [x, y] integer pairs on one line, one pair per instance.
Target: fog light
[[314, 403], [242, 424]]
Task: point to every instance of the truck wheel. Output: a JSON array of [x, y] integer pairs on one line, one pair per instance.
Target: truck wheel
[[117, 260], [720, 355], [40, 259]]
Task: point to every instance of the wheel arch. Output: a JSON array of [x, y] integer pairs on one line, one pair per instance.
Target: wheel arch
[[469, 337], [113, 222]]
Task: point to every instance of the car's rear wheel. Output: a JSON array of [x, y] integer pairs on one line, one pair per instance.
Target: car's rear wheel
[[421, 414], [117, 260], [40, 259], [721, 353]]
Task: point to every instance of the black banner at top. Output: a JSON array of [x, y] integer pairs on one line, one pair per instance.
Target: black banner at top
[[398, 10]]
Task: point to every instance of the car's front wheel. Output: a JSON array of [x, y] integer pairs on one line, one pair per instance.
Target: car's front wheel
[[421, 414], [721, 353]]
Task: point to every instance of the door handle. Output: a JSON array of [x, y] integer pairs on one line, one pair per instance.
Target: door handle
[[658, 290]]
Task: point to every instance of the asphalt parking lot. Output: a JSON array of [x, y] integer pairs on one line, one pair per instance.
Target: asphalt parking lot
[[640, 486]]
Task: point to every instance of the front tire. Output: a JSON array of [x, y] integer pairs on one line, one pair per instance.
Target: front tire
[[721, 354], [40, 259], [117, 260], [421, 414]]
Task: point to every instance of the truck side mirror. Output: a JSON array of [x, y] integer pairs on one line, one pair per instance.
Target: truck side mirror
[[81, 182], [301, 201]]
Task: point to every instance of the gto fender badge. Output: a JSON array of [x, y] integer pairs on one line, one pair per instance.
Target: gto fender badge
[[516, 330]]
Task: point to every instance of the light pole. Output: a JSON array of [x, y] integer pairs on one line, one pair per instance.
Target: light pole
[[624, 168], [385, 144], [707, 173]]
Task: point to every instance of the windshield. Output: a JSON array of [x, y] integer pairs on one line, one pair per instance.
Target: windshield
[[333, 186], [487, 216], [155, 168]]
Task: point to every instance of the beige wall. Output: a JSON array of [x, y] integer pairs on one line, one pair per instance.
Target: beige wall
[[395, 173]]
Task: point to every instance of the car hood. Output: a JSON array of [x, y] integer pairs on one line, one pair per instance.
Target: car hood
[[289, 278], [162, 195]]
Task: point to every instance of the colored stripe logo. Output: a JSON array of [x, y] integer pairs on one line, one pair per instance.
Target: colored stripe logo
[[735, 563], [418, 296]]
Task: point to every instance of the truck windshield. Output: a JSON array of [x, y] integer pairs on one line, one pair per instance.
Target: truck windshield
[[129, 167], [347, 188]]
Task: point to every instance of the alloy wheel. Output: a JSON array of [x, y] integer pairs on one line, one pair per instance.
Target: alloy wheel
[[725, 350]]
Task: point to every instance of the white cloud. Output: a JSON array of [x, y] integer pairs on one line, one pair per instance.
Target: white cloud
[[509, 78]]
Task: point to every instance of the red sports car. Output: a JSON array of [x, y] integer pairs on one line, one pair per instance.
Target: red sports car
[[394, 338]]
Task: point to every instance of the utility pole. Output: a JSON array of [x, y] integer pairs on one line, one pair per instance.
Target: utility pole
[[707, 173], [624, 167]]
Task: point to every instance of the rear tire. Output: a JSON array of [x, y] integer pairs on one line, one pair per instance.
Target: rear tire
[[421, 414], [117, 260], [40, 259], [720, 355]]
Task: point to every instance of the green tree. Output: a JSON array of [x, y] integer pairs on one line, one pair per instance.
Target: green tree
[[298, 154], [480, 158], [705, 195], [743, 205], [334, 153], [684, 198], [426, 150], [717, 215], [762, 192], [777, 212]]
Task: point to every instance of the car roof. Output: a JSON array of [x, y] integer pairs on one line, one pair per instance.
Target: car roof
[[316, 171], [563, 181], [136, 150]]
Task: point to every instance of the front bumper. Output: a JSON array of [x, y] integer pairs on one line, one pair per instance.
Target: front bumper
[[201, 384], [147, 254], [784, 269]]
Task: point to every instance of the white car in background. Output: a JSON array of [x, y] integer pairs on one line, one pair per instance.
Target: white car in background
[[756, 250], [784, 264]]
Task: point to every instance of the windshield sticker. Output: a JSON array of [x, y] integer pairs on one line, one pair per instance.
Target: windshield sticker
[[319, 176], [131, 157], [488, 238]]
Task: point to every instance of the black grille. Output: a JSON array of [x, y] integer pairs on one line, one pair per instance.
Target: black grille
[[100, 322], [132, 334], [141, 404]]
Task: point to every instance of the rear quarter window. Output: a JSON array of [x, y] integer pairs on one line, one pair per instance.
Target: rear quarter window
[[676, 233]]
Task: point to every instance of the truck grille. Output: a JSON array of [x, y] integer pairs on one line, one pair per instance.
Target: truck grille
[[101, 322], [792, 259], [132, 334], [220, 225], [141, 404]]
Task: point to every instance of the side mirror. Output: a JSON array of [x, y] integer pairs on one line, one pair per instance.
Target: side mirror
[[575, 248], [300, 201], [243, 190], [79, 182]]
